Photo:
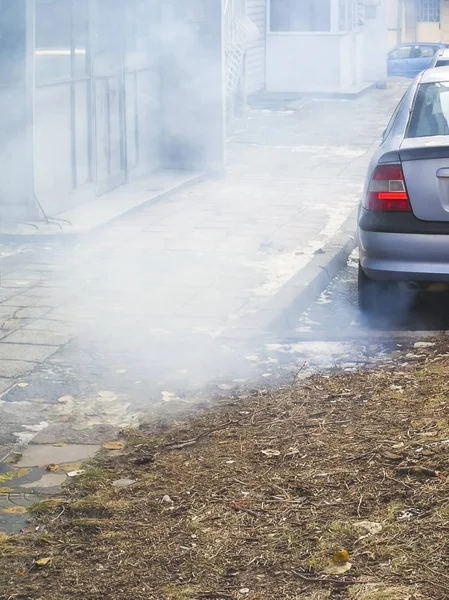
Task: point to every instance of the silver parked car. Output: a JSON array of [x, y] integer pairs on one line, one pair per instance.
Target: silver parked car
[[441, 59], [403, 221]]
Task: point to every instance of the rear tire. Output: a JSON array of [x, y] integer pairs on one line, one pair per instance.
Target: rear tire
[[370, 293]]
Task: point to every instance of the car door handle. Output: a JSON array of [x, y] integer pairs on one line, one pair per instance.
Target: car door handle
[[443, 172]]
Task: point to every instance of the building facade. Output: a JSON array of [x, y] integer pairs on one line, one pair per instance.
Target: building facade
[[418, 21], [316, 45], [95, 94]]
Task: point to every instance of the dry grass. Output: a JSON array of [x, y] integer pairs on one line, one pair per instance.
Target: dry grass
[[236, 519]]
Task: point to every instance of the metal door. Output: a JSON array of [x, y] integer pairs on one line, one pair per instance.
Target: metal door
[[109, 93]]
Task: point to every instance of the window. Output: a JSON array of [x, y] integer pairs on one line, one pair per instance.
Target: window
[[389, 127], [428, 51], [348, 15], [400, 53], [431, 112], [300, 15], [428, 11]]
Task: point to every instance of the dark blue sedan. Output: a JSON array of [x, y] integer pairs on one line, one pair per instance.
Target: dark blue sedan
[[411, 59]]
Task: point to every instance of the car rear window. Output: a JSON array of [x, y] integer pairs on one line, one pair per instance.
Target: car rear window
[[442, 62], [430, 114]]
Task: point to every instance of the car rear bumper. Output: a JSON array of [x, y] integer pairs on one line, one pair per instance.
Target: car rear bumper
[[404, 256]]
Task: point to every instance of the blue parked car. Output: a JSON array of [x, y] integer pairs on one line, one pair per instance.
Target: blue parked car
[[411, 59]]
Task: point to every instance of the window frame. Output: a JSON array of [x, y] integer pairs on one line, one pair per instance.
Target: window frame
[[428, 11], [333, 25]]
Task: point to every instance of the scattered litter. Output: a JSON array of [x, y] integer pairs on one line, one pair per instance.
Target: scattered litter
[[22, 384], [76, 473], [244, 591], [123, 482], [169, 396], [424, 345], [120, 371], [167, 499]]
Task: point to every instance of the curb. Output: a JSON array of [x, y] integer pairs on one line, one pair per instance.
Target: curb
[[70, 236], [279, 317]]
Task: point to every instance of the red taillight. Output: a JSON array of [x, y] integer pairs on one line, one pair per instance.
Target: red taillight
[[387, 190]]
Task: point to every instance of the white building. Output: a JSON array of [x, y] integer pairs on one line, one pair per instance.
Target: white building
[[316, 46]]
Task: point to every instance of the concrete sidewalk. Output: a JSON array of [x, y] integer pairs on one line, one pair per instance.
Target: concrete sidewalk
[[169, 298]]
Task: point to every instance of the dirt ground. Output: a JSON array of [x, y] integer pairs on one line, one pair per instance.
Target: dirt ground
[[335, 487]]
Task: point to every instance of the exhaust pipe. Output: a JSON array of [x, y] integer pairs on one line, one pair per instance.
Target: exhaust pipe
[[411, 286]]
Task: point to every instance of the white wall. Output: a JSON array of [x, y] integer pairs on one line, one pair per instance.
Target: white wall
[[375, 45], [310, 62]]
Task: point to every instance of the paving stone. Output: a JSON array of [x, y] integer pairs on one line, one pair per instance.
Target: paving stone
[[53, 326], [49, 338], [51, 482], [5, 384], [23, 300], [40, 455], [32, 312], [4, 451], [14, 523], [15, 368], [63, 432], [25, 352]]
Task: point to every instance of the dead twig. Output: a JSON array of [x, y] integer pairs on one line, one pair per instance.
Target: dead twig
[[195, 440]]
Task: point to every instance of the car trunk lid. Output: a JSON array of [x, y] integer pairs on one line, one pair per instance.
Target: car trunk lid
[[425, 163]]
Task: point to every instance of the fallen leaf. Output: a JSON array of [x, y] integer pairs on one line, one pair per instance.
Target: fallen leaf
[[113, 445], [20, 573], [64, 399], [370, 526], [337, 568], [6, 476], [27, 530], [342, 556], [392, 456], [69, 466], [3, 537], [52, 467], [13, 458], [59, 444], [6, 490], [14, 510], [42, 562], [107, 395], [23, 472]]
